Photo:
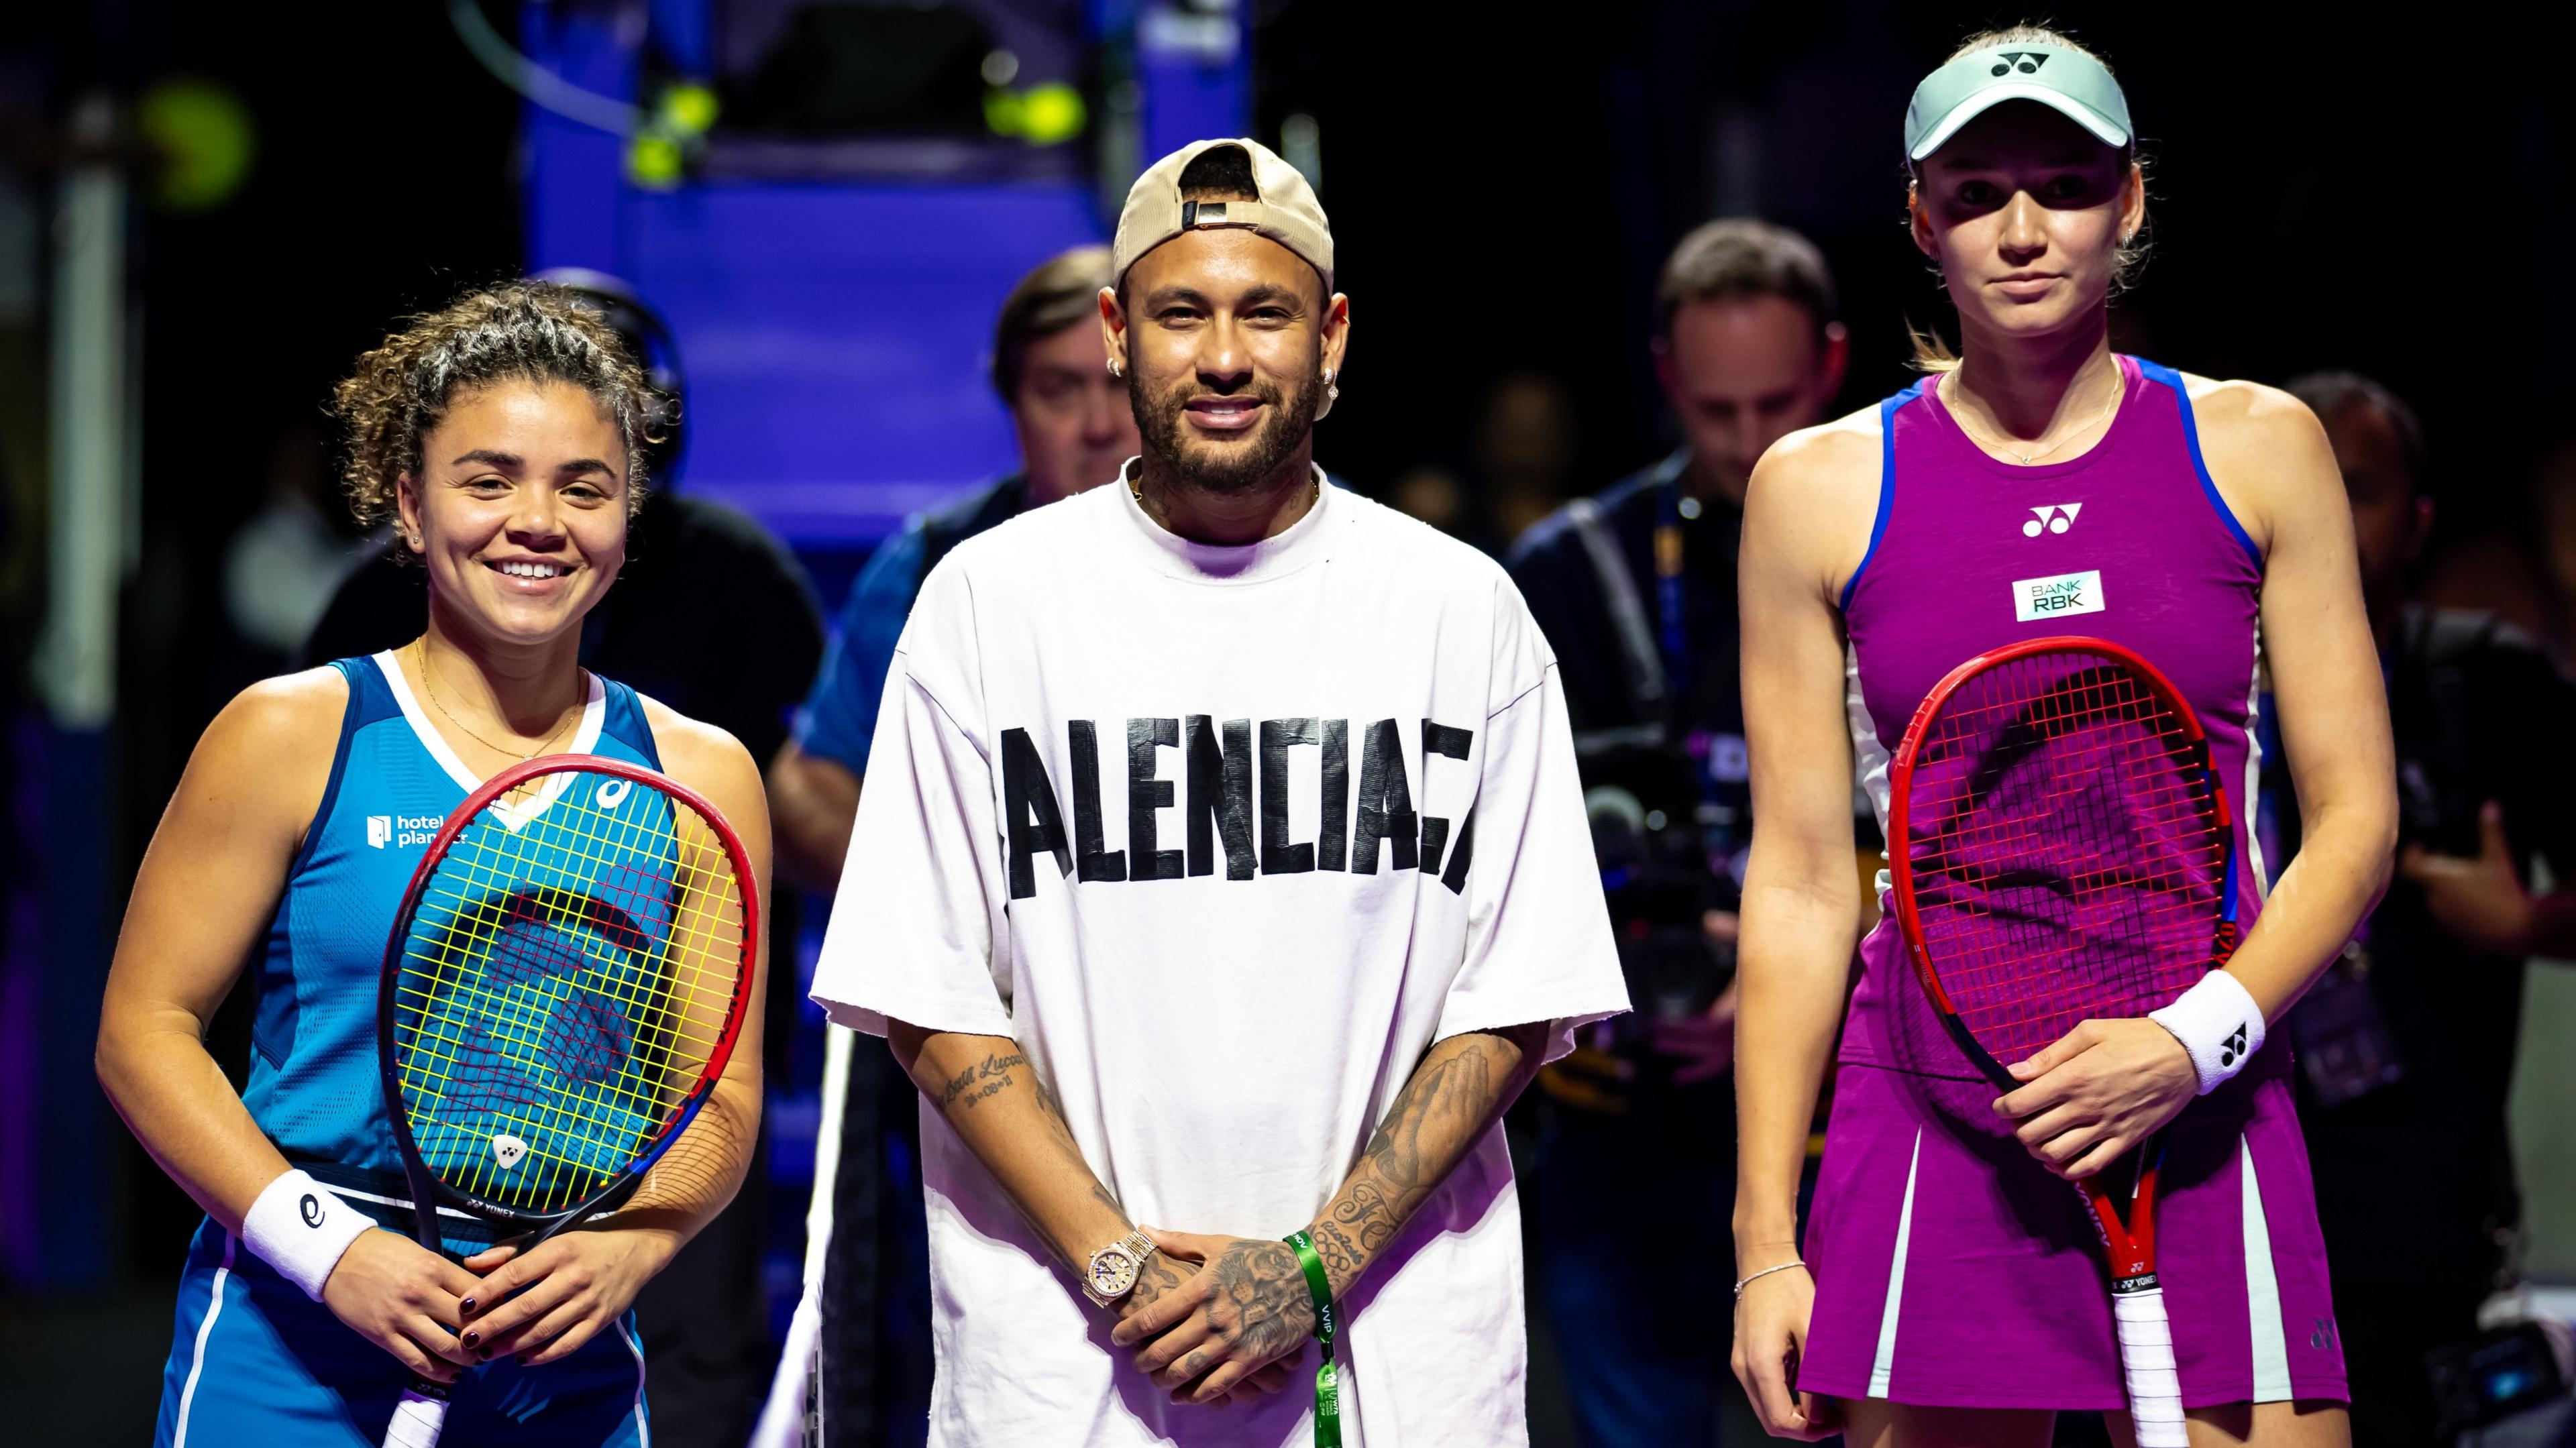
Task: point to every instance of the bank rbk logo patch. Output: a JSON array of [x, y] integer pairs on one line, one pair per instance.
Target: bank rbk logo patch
[[2064, 596], [2055, 518]]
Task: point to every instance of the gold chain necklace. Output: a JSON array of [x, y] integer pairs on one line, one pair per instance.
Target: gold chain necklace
[[429, 687], [2025, 459]]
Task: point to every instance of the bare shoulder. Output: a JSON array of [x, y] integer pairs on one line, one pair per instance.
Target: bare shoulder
[[290, 723], [708, 760], [266, 757], [2265, 451], [1813, 496]]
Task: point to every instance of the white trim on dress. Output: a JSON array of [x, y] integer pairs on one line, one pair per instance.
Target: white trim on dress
[[1884, 1365], [197, 1359]]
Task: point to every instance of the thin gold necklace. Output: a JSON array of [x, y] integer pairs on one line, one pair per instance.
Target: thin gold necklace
[[429, 686], [2026, 459]]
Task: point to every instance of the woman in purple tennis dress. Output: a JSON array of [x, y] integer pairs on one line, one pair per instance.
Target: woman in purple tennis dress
[[1948, 1286]]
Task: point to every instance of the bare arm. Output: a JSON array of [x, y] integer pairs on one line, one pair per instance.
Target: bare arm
[[989, 1093], [1252, 1307], [1806, 520], [816, 800], [2264, 447], [202, 899]]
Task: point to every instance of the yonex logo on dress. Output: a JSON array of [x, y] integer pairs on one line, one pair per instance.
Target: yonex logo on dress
[[2027, 62], [402, 831], [2055, 518]]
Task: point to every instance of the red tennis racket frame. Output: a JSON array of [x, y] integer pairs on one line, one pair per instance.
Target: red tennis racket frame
[[2131, 1236], [427, 1189]]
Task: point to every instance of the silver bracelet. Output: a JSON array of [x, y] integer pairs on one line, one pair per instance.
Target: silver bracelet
[[1758, 1276]]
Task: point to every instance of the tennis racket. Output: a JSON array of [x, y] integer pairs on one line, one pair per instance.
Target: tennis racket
[[564, 984], [2065, 854]]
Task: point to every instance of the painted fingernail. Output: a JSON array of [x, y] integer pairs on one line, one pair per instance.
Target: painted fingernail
[[467, 1304], [472, 1338]]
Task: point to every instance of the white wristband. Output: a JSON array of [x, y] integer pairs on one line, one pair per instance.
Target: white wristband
[[300, 1227], [2218, 1023]]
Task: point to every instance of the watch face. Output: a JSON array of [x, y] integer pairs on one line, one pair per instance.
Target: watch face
[[1113, 1271]]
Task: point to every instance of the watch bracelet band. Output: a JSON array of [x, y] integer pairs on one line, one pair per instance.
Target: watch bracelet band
[[1135, 1244]]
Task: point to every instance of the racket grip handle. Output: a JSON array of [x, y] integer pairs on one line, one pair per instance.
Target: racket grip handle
[[2147, 1362], [418, 1419]]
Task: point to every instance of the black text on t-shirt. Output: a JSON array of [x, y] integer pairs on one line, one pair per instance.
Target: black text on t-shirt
[[1217, 802]]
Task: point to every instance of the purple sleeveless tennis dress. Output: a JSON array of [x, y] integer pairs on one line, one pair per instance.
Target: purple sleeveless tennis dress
[[1951, 1270]]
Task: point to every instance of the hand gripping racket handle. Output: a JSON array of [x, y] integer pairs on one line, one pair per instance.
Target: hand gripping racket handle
[[2147, 1360], [419, 1418]]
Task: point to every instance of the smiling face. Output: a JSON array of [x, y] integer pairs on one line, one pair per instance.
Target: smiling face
[[1226, 336], [519, 510], [2025, 212]]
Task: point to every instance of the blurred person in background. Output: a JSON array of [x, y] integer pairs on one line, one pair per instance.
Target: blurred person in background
[[714, 617], [1635, 589], [503, 437], [1944, 1286], [1075, 428], [286, 560], [2406, 1045]]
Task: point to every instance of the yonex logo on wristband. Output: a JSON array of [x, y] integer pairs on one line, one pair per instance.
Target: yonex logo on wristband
[[311, 1208], [2233, 1047]]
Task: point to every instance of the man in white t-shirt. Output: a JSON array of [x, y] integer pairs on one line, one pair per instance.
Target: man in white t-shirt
[[1266, 961]]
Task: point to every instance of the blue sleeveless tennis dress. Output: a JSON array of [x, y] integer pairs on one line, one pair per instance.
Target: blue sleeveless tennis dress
[[253, 1360], [1951, 1270]]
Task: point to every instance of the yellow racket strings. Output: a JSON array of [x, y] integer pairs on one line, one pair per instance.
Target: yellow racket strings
[[595, 909]]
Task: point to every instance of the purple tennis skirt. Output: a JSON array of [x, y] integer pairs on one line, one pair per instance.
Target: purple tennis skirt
[[1953, 1271]]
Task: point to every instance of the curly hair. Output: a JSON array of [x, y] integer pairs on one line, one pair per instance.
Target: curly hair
[[516, 332]]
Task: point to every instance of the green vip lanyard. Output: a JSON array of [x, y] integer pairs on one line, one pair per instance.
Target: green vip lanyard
[[1328, 1384]]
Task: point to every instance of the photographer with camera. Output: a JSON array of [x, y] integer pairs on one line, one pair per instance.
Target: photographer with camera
[[1635, 589]]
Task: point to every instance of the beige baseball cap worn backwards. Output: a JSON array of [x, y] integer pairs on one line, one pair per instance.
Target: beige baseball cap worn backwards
[[1287, 212]]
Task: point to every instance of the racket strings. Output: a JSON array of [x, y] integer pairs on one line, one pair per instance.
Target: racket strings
[[570, 971], [2065, 849]]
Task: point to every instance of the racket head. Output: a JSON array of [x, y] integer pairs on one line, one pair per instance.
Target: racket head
[[2060, 849], [564, 984]]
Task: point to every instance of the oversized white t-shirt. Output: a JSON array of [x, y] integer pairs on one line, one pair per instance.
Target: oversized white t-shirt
[[1225, 839]]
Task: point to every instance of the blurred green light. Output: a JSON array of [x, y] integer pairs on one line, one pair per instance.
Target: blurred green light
[[1051, 113], [205, 138], [690, 107], [655, 162]]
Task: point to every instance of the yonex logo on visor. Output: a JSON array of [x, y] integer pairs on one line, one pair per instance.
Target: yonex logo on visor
[[2067, 81]]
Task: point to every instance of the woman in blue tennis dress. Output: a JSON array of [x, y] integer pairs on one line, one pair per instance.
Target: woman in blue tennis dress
[[500, 436]]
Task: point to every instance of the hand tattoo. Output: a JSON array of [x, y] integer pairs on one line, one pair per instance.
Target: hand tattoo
[[1260, 1304]]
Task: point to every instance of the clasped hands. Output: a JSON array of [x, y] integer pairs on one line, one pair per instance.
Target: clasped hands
[[1216, 1320], [2098, 1091]]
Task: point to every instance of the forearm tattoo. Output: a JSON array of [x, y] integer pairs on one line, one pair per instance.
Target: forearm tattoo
[[1438, 1115], [984, 1080]]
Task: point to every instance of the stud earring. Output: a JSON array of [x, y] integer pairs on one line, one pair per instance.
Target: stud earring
[[1113, 367]]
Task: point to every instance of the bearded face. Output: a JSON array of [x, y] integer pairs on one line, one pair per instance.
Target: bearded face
[[1226, 441], [1225, 337]]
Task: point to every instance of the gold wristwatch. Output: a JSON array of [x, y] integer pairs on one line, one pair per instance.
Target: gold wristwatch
[[1114, 1268]]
